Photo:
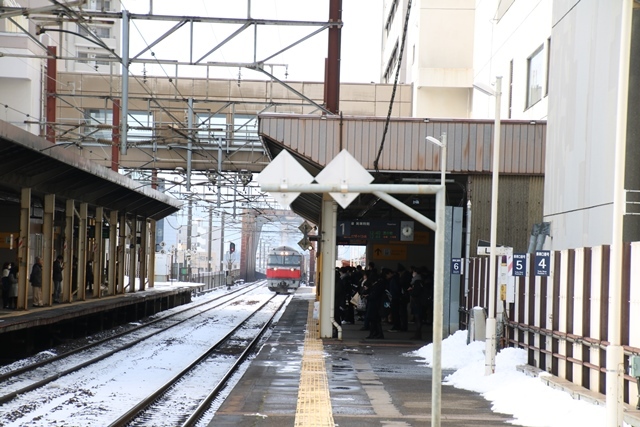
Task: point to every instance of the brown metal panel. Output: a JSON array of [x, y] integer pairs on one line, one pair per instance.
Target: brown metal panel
[[519, 147], [586, 312], [555, 322], [487, 149], [569, 307], [543, 314], [506, 150]]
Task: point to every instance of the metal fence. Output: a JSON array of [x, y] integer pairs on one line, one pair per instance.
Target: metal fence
[[562, 319]]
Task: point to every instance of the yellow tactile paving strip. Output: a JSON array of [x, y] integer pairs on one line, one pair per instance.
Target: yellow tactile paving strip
[[314, 402]]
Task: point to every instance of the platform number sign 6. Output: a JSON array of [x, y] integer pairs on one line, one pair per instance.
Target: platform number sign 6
[[520, 265], [542, 264], [456, 266]]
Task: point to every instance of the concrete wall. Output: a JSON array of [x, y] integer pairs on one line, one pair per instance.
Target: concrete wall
[[582, 120], [523, 28]]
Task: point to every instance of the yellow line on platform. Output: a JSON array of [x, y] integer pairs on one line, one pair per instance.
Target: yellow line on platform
[[314, 402]]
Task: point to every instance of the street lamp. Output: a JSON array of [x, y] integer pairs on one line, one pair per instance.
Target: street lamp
[[443, 154], [438, 291], [490, 349]]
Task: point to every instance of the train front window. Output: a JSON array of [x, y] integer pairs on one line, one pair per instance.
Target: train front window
[[292, 260], [276, 260]]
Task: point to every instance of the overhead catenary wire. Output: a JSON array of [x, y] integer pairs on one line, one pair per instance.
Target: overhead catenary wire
[[395, 86]]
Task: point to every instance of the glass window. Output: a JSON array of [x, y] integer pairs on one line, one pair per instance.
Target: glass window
[[138, 122], [535, 77], [245, 131], [213, 127]]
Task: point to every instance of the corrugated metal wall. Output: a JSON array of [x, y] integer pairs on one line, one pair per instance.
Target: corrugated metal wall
[[519, 207], [405, 148]]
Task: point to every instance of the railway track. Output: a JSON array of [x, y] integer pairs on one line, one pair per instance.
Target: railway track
[[192, 393], [29, 390]]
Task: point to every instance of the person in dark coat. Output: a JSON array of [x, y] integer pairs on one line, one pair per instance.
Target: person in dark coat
[[6, 285], [13, 291], [58, 266], [89, 276], [375, 301], [395, 289], [36, 282]]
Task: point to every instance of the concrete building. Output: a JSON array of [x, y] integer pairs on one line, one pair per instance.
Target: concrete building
[[437, 60], [583, 102]]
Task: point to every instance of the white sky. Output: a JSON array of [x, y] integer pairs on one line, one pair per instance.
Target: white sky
[[361, 38], [512, 392]]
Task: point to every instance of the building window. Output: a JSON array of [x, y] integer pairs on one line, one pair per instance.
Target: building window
[[390, 16], [535, 77], [546, 86], [391, 65], [102, 32], [140, 125], [104, 5]]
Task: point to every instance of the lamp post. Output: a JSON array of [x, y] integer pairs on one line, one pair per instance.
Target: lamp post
[[438, 294], [490, 349]]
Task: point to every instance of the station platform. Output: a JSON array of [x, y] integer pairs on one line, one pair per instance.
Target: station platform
[[298, 379], [26, 332]]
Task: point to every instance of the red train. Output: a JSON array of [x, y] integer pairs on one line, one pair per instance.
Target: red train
[[284, 269]]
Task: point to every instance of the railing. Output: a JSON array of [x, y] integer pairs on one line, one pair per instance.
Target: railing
[[562, 319]]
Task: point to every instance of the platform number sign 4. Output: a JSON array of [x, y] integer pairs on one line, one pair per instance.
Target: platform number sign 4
[[543, 263], [456, 265], [520, 265]]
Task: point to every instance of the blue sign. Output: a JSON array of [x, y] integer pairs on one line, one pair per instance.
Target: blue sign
[[456, 265], [543, 263], [520, 265]]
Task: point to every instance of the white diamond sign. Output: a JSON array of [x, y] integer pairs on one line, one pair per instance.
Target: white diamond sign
[[344, 170], [283, 171]]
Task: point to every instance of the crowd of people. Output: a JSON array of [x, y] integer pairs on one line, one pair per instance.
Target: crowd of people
[[9, 282], [391, 297]]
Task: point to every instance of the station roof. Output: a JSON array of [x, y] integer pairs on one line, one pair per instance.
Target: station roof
[[29, 161], [406, 156]]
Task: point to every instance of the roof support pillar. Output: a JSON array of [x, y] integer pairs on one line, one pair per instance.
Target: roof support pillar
[[144, 252], [82, 252], [113, 252], [98, 260], [24, 248], [133, 252], [68, 251], [47, 254], [329, 219], [122, 228], [152, 254]]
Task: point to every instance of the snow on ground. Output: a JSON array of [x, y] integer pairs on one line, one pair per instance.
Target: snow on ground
[[511, 392]]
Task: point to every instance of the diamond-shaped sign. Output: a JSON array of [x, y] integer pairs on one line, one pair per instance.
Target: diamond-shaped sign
[[305, 227], [284, 170], [343, 170], [305, 243]]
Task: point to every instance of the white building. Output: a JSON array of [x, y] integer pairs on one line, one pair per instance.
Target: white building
[[23, 71], [438, 54]]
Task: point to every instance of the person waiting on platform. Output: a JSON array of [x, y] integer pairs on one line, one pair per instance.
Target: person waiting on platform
[[36, 282], [13, 291], [58, 266], [89, 276], [6, 285]]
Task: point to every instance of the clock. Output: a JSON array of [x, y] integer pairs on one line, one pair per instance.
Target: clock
[[407, 231]]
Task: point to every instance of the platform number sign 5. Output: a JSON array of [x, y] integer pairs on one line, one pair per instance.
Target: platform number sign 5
[[520, 265], [543, 263]]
